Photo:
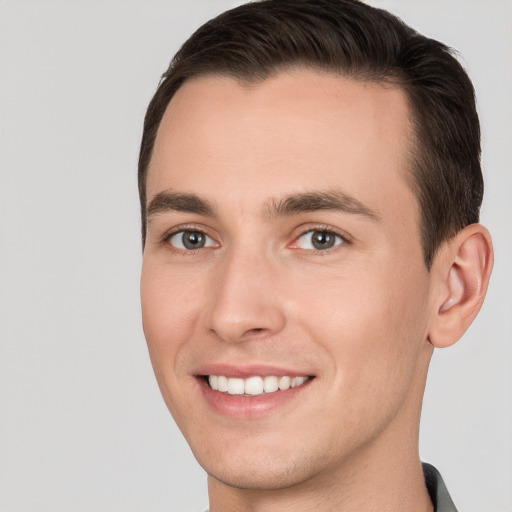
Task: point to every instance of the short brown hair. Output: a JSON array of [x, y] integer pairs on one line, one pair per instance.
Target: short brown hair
[[347, 37]]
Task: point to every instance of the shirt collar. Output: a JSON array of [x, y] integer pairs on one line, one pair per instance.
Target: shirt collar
[[437, 489]]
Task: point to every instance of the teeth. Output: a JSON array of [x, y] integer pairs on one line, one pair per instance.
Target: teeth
[[270, 384], [284, 383], [254, 386], [223, 383], [298, 381], [236, 386]]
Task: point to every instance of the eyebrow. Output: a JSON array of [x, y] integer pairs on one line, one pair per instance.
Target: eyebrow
[[333, 200], [179, 202]]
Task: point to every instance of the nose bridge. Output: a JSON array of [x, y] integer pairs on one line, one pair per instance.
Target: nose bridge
[[244, 302]]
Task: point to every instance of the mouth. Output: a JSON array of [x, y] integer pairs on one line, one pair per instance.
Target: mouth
[[255, 385], [250, 392]]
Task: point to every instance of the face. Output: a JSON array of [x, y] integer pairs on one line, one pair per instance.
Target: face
[[284, 294]]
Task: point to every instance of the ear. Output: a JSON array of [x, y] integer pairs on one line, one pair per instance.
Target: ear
[[461, 273]]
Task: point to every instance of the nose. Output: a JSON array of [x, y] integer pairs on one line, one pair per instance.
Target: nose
[[245, 302]]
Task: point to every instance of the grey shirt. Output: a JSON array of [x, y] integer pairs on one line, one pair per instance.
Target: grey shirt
[[437, 489]]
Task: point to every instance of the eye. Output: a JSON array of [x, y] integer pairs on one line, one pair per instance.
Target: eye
[[319, 240], [190, 240]]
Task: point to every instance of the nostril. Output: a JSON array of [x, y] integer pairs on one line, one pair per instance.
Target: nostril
[[257, 332]]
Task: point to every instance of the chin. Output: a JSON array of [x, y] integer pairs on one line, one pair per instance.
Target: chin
[[248, 479], [266, 471]]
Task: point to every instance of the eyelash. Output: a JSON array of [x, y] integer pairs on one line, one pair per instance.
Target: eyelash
[[166, 239], [345, 240]]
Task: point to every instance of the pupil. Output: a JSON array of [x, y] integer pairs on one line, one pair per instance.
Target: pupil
[[322, 240], [193, 239]]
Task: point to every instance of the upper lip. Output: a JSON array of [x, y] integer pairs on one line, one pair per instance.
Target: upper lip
[[248, 370]]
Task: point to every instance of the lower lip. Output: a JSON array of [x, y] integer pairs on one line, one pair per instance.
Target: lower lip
[[249, 407]]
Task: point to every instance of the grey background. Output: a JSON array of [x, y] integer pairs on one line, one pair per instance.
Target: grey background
[[82, 424]]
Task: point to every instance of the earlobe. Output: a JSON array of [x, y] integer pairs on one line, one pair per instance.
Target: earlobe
[[462, 270]]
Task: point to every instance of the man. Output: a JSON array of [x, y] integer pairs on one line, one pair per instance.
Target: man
[[310, 186]]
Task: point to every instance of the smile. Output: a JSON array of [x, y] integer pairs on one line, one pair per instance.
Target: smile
[[255, 385], [250, 392]]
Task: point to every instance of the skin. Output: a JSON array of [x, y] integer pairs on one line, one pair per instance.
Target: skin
[[359, 317]]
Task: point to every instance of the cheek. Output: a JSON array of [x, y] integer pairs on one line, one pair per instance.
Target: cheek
[[170, 304], [371, 322]]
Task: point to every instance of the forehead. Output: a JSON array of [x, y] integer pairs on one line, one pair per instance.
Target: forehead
[[296, 131]]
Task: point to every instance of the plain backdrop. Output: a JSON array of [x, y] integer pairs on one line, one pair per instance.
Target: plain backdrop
[[82, 423]]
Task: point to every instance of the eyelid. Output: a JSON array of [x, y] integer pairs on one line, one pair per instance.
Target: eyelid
[[346, 239], [176, 243], [166, 237], [301, 231]]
